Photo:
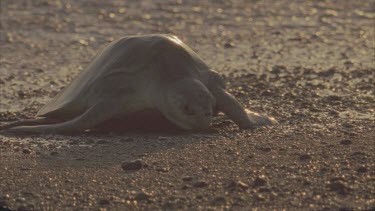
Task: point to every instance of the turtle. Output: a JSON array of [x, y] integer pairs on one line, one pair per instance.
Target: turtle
[[156, 72]]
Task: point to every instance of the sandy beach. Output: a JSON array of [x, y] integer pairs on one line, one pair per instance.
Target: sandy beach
[[310, 64]]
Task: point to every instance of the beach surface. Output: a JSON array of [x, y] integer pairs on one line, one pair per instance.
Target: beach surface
[[309, 64]]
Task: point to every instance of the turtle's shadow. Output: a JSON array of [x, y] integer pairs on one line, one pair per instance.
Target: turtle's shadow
[[111, 143]]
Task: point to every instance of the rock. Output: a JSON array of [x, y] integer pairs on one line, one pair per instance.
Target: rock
[[333, 98], [142, 196], [103, 202], [200, 184], [187, 178], [304, 157], [339, 187], [264, 149], [102, 141], [229, 45], [362, 169], [26, 151], [132, 165], [236, 185], [54, 153], [218, 201], [242, 185], [260, 181], [162, 169], [346, 142]]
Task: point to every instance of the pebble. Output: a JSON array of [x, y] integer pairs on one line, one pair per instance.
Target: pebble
[[229, 45], [200, 184], [26, 151], [54, 153], [220, 200], [103, 202], [142, 196], [304, 157], [346, 142], [265, 149], [102, 141], [259, 181], [339, 187], [187, 178], [133, 165], [362, 169]]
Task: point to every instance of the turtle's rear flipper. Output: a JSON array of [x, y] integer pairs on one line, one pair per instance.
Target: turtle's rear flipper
[[27, 122], [93, 116]]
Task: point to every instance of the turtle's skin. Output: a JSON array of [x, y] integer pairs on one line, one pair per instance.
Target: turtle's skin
[[139, 73]]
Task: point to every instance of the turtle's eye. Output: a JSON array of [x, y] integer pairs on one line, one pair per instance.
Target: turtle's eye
[[188, 110]]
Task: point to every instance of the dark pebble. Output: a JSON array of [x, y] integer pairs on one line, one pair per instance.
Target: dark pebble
[[200, 184], [265, 149], [339, 187], [187, 179], [26, 151], [102, 141], [217, 201], [141, 196], [233, 185], [229, 45], [304, 157], [162, 169], [54, 153], [259, 181], [127, 140], [333, 98], [362, 169], [346, 142], [260, 197], [103, 202], [267, 93], [132, 165]]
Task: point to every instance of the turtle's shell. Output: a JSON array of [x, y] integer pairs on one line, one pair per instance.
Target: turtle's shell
[[127, 65]]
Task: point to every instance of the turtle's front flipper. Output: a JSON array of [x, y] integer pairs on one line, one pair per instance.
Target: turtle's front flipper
[[93, 116], [233, 109]]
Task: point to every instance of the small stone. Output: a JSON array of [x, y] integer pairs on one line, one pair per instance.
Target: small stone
[[339, 187], [362, 169], [162, 169], [163, 138], [26, 151], [264, 190], [346, 142], [142, 196], [103, 202], [242, 185], [200, 184], [132, 165], [54, 153], [187, 178], [102, 141], [185, 187], [304, 157], [259, 181], [265, 149], [229, 45], [267, 93], [333, 98], [220, 200], [127, 140], [260, 197]]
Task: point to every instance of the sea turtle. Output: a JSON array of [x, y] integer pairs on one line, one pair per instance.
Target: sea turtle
[[138, 73]]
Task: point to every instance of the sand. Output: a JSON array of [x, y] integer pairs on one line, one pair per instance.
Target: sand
[[310, 64]]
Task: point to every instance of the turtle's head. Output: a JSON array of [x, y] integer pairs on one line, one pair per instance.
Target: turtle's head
[[188, 104]]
